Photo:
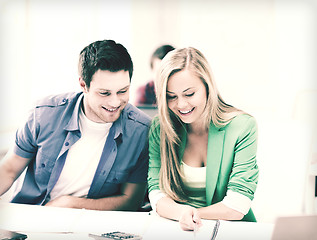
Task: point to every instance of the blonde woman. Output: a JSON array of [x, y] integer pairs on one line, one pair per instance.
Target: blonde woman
[[202, 150]]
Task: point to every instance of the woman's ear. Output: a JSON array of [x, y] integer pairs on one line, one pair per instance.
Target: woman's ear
[[83, 85]]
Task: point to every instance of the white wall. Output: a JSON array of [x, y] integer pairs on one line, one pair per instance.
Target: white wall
[[40, 45], [263, 55]]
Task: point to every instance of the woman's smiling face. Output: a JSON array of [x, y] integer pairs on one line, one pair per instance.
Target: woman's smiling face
[[186, 96]]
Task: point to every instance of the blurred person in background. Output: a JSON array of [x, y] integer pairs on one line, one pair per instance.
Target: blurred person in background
[[145, 94]]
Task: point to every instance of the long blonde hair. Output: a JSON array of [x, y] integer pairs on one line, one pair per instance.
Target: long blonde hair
[[216, 112]]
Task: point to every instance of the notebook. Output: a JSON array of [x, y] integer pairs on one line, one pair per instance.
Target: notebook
[[295, 228]]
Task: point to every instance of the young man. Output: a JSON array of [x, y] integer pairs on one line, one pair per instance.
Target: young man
[[87, 149]]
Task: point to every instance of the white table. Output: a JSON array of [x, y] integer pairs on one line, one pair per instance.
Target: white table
[[40, 222]]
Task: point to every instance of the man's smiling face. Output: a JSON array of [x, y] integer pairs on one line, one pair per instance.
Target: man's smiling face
[[107, 95]]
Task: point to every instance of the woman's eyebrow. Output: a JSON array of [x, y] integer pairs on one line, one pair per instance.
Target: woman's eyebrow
[[187, 89], [190, 88]]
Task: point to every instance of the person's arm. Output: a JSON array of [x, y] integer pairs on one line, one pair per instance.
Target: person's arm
[[130, 200], [164, 206], [220, 211], [160, 202], [11, 166], [168, 208], [243, 178], [188, 216]]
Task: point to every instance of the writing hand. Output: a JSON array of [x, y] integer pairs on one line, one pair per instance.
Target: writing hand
[[190, 219]]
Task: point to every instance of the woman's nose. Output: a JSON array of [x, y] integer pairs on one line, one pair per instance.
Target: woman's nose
[[181, 103]]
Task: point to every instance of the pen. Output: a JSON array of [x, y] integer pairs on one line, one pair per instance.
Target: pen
[[195, 230], [215, 230]]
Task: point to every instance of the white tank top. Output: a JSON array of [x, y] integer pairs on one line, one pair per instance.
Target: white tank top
[[195, 183]]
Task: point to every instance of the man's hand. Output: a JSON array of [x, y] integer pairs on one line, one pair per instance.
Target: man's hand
[[130, 200], [62, 201]]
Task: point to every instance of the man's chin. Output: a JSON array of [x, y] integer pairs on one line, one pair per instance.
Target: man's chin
[[112, 117]]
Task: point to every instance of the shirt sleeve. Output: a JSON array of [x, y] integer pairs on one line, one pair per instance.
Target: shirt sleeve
[[154, 197], [25, 139], [237, 201]]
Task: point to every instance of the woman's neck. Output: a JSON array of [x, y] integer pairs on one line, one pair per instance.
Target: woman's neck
[[197, 129]]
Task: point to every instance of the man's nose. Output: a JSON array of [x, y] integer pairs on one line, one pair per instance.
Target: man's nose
[[114, 101]]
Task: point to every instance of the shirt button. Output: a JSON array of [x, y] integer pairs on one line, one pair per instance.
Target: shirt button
[[43, 165], [66, 144]]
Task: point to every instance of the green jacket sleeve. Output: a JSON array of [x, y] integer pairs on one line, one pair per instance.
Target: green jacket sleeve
[[154, 155], [244, 175]]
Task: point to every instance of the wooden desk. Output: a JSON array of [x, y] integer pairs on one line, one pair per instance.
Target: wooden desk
[[40, 222]]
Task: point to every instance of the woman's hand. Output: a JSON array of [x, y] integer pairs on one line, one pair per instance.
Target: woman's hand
[[190, 219], [187, 216]]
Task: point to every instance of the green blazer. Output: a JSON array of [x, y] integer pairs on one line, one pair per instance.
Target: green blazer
[[231, 159]]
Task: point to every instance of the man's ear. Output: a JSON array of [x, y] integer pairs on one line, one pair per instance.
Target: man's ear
[[83, 85]]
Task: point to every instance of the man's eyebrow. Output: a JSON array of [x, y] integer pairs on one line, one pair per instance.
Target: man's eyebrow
[[108, 90], [124, 88]]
